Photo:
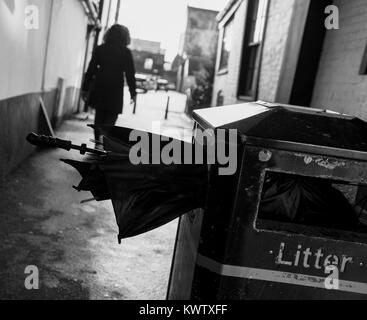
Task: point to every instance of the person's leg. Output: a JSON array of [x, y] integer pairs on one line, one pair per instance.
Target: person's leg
[[99, 119], [111, 119], [104, 118]]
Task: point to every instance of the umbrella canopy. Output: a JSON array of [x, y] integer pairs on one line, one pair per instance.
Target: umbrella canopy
[[144, 196], [147, 195]]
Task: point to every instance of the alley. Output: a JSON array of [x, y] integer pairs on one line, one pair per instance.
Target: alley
[[75, 245]]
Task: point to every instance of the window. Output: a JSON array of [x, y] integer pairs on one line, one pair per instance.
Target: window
[[363, 70], [226, 45], [254, 30], [148, 64]]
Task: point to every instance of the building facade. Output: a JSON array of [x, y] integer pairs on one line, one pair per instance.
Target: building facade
[[149, 57], [198, 49], [282, 51], [45, 47]]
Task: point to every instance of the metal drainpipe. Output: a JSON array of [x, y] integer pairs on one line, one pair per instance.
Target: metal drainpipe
[[117, 11], [262, 50], [108, 15], [98, 30], [84, 65], [91, 11], [43, 83]]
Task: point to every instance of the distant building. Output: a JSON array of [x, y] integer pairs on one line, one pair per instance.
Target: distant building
[[146, 45], [198, 48], [148, 57], [281, 51]]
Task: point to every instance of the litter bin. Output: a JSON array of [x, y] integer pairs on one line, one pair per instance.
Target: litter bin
[[246, 243]]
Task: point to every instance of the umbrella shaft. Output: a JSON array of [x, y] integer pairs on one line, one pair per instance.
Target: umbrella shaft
[[84, 149]]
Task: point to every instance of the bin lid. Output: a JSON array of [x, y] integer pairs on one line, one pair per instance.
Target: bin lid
[[290, 127]]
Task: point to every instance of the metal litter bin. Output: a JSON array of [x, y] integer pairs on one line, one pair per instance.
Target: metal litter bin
[[231, 250]]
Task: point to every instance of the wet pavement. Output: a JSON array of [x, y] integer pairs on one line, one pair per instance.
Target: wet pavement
[[74, 245]]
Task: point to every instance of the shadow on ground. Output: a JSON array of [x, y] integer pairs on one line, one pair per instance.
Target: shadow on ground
[[73, 245]]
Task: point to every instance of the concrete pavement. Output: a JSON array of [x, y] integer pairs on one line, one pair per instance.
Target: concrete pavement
[[151, 108], [75, 246]]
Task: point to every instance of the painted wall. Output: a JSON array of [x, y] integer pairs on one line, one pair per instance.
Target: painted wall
[[338, 84], [22, 61], [67, 44], [22, 51]]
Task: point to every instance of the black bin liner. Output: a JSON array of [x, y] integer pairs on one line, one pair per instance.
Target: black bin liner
[[307, 201]]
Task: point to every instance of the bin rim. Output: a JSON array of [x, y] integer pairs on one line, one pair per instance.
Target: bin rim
[[253, 115]]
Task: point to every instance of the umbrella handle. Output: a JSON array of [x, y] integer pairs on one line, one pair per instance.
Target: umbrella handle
[[48, 141]]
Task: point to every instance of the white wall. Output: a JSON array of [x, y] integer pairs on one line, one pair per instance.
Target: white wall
[[22, 51], [67, 44]]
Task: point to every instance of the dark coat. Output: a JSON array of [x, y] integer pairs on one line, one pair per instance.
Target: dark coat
[[105, 78]]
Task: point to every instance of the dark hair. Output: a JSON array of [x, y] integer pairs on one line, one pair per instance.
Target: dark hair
[[117, 35]]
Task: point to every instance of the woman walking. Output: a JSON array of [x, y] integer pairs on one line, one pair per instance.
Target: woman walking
[[103, 84]]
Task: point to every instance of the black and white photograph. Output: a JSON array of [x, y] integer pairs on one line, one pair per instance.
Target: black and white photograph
[[183, 155]]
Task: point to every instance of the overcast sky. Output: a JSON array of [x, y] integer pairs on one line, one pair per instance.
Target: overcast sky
[[161, 20]]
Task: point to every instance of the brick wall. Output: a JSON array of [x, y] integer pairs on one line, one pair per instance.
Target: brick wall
[[280, 13], [228, 82], [338, 84]]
